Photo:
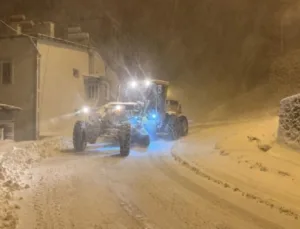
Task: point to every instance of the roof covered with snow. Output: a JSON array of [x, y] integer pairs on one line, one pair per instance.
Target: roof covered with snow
[[8, 107]]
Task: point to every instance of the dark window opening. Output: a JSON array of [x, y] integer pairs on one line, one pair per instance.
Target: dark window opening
[[93, 92]]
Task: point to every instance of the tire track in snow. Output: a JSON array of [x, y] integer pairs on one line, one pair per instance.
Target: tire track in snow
[[137, 214], [185, 163], [133, 211], [204, 193]]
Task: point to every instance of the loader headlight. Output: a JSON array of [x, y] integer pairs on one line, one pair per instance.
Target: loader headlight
[[86, 110], [133, 84], [118, 108], [147, 83]]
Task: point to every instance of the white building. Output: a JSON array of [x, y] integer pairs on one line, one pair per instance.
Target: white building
[[49, 78]]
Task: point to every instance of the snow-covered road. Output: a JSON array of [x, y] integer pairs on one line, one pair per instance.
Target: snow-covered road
[[148, 189]]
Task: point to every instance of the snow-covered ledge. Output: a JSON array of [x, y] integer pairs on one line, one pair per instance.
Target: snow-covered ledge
[[289, 121]]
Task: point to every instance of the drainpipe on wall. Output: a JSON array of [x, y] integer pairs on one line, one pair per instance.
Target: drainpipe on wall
[[37, 98], [91, 62], [36, 116]]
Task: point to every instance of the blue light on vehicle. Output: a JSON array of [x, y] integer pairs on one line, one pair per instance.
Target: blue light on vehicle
[[134, 120], [152, 116]]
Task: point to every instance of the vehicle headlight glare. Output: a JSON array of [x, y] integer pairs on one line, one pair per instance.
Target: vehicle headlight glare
[[118, 107], [86, 110], [147, 82], [133, 84]]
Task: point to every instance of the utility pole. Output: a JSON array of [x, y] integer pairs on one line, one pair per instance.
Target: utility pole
[[282, 34]]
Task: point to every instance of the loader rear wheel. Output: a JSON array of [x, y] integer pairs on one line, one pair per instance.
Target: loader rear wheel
[[125, 139], [173, 128], [184, 125], [79, 136], [145, 141]]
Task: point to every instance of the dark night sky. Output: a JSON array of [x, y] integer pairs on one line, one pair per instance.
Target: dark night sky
[[217, 45]]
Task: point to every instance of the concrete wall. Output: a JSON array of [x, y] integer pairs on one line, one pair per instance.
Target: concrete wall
[[60, 91], [98, 65], [114, 83], [22, 92]]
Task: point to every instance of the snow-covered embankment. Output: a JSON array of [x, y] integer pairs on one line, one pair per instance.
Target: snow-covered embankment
[[15, 160]]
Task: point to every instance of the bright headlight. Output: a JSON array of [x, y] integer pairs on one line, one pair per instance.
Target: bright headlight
[[118, 107], [86, 110], [133, 84], [147, 82]]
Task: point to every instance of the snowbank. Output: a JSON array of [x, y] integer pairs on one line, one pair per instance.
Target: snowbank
[[15, 159], [247, 159]]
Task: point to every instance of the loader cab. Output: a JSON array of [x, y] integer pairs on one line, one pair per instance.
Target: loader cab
[[157, 96], [173, 106], [152, 93]]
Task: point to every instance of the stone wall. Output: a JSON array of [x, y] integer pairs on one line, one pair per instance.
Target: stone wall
[[289, 121]]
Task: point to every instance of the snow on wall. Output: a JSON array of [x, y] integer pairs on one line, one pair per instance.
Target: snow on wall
[[289, 121]]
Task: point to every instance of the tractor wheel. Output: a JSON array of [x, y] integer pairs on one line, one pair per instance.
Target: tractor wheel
[[125, 140], [145, 141], [79, 138], [184, 125], [173, 127]]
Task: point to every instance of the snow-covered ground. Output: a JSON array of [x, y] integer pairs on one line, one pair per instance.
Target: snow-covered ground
[[246, 159], [15, 162], [223, 177]]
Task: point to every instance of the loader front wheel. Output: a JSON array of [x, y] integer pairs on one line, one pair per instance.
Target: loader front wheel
[[125, 139], [79, 136]]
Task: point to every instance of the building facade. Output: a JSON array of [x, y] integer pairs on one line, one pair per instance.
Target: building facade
[[49, 79]]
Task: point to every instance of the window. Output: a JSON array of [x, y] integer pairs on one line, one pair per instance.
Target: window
[[6, 72], [75, 72], [173, 105]]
